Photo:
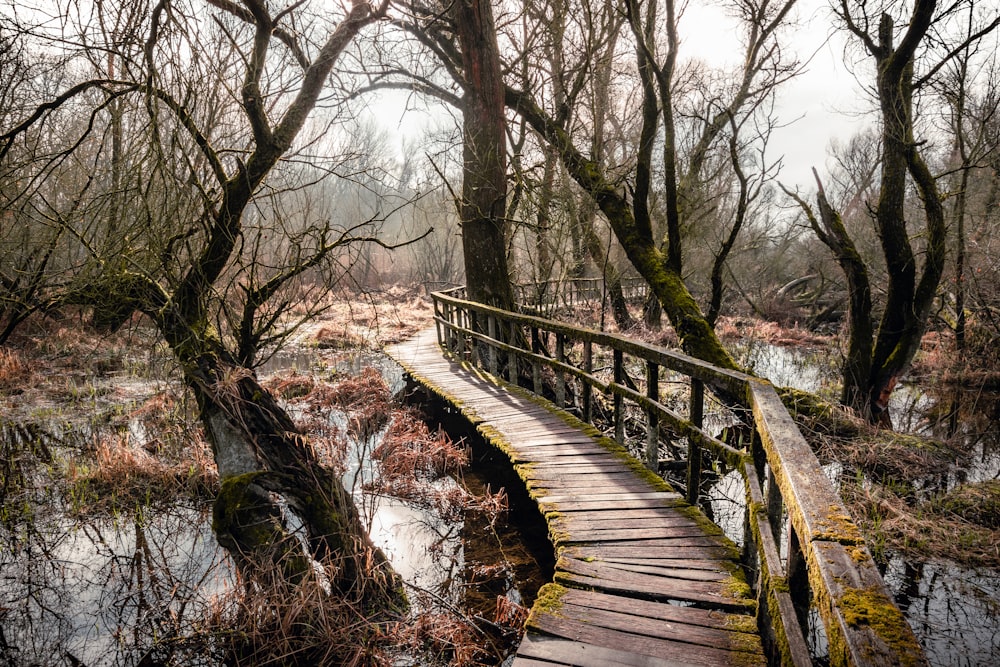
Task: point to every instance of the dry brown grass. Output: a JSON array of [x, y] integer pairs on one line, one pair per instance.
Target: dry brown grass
[[15, 372], [928, 528], [741, 328], [265, 623], [451, 638], [373, 320], [365, 398], [884, 487], [977, 366], [125, 473], [411, 458]]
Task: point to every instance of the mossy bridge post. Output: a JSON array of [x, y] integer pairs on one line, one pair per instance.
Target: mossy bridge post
[[642, 576]]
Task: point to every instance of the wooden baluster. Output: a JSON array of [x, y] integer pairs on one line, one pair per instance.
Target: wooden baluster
[[513, 370], [437, 322], [798, 577], [560, 378], [491, 331], [694, 448], [619, 376], [456, 334], [587, 390], [652, 418], [476, 347], [536, 368], [447, 326], [775, 506]]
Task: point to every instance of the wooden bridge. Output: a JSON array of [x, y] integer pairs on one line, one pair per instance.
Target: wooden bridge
[[642, 576]]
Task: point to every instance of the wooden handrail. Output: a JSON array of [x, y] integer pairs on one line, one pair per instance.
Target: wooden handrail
[[789, 500]]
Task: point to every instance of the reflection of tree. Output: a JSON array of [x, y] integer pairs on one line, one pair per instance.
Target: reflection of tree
[[131, 587], [953, 611]]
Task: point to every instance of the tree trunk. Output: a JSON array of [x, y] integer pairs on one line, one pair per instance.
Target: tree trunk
[[484, 185], [908, 302], [262, 456], [857, 369]]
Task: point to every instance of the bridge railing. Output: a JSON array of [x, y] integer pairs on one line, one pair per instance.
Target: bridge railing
[[548, 297], [801, 546]]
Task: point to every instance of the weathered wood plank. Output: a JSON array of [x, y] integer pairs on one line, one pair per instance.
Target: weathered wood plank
[[653, 498], [632, 533], [675, 630], [681, 652], [656, 559], [612, 520], [708, 618], [647, 551], [556, 651], [597, 575], [676, 571]]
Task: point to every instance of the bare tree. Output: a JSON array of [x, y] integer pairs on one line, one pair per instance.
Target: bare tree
[[195, 115], [631, 211], [904, 67]]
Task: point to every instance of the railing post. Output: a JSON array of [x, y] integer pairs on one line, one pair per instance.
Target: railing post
[[619, 377], [774, 505], [588, 367], [438, 316], [694, 449], [536, 368], [652, 418], [456, 335], [476, 356], [491, 331], [447, 327], [798, 577], [560, 378], [513, 371]]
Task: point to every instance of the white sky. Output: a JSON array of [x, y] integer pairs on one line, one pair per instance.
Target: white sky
[[816, 107]]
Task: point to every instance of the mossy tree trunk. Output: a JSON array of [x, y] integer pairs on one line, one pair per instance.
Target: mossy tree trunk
[[911, 289], [830, 229], [267, 468], [484, 175]]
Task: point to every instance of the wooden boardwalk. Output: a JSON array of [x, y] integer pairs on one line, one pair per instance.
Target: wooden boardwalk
[[641, 578]]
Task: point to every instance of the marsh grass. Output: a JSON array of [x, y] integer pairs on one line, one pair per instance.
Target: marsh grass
[[892, 485], [264, 622], [123, 473], [932, 528], [15, 372]]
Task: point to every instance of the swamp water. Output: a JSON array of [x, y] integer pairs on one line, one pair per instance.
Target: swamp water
[[129, 588], [953, 609]]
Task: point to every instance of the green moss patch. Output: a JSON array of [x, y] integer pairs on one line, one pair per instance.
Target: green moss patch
[[872, 607], [548, 601]]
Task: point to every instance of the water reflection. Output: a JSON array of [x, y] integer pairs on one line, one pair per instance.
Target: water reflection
[[954, 610], [110, 591], [137, 586]]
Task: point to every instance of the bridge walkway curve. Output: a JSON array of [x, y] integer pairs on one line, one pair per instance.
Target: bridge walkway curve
[[641, 577]]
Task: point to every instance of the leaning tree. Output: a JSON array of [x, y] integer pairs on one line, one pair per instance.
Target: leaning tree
[[146, 166]]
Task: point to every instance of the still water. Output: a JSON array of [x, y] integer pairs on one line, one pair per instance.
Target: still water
[[135, 585], [954, 610]]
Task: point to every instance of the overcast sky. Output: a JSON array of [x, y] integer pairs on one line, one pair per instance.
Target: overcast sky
[[818, 106]]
